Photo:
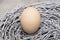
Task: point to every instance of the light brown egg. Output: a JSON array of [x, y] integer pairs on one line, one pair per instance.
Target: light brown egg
[[30, 20]]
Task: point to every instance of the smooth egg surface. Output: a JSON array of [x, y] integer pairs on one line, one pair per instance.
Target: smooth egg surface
[[30, 20]]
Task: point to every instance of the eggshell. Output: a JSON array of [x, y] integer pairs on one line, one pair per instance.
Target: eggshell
[[30, 20]]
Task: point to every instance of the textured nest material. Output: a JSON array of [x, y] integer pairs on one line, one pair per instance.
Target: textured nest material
[[10, 27]]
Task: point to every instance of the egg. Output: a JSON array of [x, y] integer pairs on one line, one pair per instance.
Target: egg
[[30, 20]]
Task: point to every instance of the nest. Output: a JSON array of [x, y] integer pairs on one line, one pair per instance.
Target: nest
[[10, 27]]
